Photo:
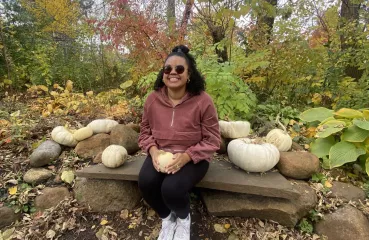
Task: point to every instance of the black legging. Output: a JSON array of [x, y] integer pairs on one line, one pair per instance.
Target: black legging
[[170, 192]]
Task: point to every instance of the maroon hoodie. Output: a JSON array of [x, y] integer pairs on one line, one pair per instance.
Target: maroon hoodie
[[191, 126]]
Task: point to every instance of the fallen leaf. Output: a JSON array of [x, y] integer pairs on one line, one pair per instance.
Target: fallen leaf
[[261, 224], [50, 234], [227, 226], [7, 234], [327, 184], [12, 181], [151, 213], [103, 222], [124, 214], [67, 176], [219, 228], [13, 190]]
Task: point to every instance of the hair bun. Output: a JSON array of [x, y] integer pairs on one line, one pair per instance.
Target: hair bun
[[181, 48]]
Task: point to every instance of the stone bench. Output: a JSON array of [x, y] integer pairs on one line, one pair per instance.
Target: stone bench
[[225, 189]]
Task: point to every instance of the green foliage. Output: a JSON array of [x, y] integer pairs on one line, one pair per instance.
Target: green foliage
[[232, 97], [305, 226], [269, 112], [341, 137]]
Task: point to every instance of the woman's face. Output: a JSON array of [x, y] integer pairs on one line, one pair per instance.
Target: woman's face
[[175, 74]]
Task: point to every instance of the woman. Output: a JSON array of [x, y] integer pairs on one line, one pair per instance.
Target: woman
[[179, 117]]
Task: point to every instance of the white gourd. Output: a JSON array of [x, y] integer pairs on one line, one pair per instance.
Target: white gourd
[[102, 125], [164, 159], [279, 138], [251, 156], [62, 136], [83, 133], [234, 129], [114, 156]]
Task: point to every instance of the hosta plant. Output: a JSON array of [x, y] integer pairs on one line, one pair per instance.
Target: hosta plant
[[340, 136]]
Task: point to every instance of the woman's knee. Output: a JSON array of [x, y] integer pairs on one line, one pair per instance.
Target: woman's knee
[[173, 190]]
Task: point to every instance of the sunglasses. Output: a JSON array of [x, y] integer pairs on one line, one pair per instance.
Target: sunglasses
[[179, 69]]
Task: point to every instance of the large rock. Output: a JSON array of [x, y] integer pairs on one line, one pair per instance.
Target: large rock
[[126, 137], [47, 152], [90, 147], [347, 192], [298, 165], [7, 216], [107, 195], [37, 175], [286, 212], [51, 197], [345, 223]]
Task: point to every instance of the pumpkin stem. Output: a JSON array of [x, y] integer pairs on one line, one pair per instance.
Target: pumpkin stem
[[280, 124]]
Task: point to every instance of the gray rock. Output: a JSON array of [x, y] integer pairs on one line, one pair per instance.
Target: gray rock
[[51, 197], [107, 195], [8, 216], [126, 137], [345, 223], [37, 175], [284, 211], [90, 147], [347, 192], [47, 152], [134, 126], [298, 165]]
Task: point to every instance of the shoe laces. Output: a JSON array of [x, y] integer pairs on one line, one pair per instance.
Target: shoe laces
[[182, 229]]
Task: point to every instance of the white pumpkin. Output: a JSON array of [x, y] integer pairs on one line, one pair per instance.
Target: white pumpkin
[[252, 156], [234, 129], [83, 133], [114, 156], [102, 125], [164, 159], [62, 136], [280, 139]]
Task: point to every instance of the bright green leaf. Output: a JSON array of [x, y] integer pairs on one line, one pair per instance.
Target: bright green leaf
[[329, 128], [355, 134], [321, 146], [316, 114], [367, 166], [343, 152], [349, 113], [361, 124]]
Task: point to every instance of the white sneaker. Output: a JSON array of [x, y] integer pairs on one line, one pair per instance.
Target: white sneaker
[[182, 231], [168, 226]]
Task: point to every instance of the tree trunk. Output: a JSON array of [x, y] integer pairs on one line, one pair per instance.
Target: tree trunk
[[171, 16], [265, 23], [349, 15], [186, 18], [7, 58]]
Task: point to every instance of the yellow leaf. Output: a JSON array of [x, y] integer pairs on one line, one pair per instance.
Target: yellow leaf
[[69, 85], [349, 113], [366, 114], [317, 98], [103, 222], [50, 107], [227, 226], [306, 146], [327, 184], [90, 93], [13, 190], [43, 88]]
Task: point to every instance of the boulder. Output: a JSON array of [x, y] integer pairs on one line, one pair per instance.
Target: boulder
[[107, 195], [298, 165], [98, 158], [51, 197], [8, 216], [92, 146], [47, 152], [37, 175], [134, 126], [284, 211], [126, 137], [347, 192], [345, 223]]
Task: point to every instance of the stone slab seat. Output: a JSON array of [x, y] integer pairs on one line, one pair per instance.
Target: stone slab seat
[[220, 176]]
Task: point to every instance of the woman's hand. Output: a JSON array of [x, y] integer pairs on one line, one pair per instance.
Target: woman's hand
[[179, 160], [154, 152]]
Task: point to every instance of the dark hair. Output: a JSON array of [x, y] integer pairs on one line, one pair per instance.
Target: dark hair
[[197, 82]]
